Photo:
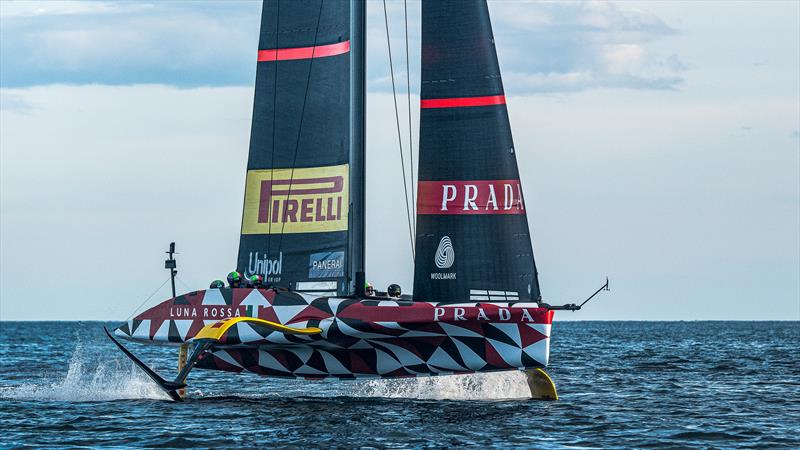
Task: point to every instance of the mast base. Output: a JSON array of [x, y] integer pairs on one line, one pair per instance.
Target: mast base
[[541, 385]]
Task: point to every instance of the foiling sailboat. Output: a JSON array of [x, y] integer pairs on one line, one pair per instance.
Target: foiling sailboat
[[476, 304]]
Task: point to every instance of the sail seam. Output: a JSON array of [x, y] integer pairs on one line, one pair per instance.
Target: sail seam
[[302, 115], [274, 124]]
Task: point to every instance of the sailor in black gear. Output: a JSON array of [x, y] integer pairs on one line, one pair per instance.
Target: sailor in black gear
[[217, 284], [393, 290], [235, 279], [256, 281]]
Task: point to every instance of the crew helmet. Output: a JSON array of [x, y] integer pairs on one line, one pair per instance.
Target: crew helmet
[[234, 279], [393, 290], [369, 289], [217, 284], [257, 281]]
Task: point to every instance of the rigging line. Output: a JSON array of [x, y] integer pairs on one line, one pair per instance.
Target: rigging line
[[399, 134], [274, 119], [410, 134], [148, 299], [188, 289], [302, 115]]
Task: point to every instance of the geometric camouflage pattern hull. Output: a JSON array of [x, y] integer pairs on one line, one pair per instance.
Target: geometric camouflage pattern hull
[[360, 338]]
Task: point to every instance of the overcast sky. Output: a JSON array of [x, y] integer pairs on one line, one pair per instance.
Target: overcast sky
[[659, 144]]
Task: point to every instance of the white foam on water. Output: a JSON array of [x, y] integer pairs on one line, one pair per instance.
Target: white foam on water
[[480, 386], [89, 381]]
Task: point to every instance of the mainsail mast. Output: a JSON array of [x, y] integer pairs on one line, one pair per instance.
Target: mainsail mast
[[473, 241], [358, 138], [302, 223]]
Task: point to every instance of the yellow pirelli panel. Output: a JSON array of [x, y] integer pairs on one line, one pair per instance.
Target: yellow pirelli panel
[[301, 200]]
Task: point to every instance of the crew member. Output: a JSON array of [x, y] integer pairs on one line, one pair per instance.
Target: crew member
[[217, 284], [393, 290], [235, 279], [369, 290], [257, 281]]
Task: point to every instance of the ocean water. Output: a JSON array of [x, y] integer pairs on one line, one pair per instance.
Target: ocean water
[[622, 385]]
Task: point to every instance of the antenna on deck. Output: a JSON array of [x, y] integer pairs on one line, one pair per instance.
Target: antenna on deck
[[171, 264], [603, 288], [573, 306]]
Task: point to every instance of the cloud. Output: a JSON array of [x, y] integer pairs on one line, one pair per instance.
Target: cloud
[[177, 43], [20, 8], [576, 46], [526, 83], [14, 102], [546, 47], [543, 46]]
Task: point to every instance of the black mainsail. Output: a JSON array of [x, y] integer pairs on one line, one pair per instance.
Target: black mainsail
[[304, 175], [472, 240]]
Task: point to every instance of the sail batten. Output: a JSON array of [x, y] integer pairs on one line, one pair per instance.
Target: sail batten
[[472, 241]]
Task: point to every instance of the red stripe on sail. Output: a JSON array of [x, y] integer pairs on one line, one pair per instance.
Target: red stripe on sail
[[319, 51], [461, 102]]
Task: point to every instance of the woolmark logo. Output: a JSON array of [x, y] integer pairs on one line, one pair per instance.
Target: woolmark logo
[[445, 254]]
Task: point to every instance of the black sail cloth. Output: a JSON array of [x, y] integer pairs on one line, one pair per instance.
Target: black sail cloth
[[472, 240], [295, 218]]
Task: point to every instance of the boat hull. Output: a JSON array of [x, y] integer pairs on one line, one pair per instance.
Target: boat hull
[[360, 338]]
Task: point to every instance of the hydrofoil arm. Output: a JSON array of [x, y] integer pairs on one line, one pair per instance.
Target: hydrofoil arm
[[170, 387], [204, 339]]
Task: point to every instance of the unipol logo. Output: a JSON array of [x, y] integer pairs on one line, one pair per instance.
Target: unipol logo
[[470, 197], [445, 254], [269, 268]]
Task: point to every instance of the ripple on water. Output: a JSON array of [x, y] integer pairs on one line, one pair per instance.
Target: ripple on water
[[622, 385], [101, 381]]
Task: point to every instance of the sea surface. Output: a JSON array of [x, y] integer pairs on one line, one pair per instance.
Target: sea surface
[[622, 385]]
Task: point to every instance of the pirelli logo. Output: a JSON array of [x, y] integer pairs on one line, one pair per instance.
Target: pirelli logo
[[303, 200]]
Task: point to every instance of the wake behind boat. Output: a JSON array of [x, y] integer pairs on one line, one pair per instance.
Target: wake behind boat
[[476, 305]]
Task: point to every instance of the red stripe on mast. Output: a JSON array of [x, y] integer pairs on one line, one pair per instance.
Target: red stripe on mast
[[319, 51], [461, 102]]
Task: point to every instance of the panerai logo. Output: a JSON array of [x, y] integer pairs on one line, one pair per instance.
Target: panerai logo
[[326, 265], [261, 264], [444, 259]]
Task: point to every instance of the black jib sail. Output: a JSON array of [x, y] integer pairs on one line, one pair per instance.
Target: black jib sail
[[472, 238], [303, 176]]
